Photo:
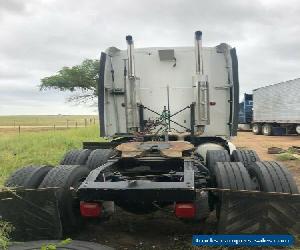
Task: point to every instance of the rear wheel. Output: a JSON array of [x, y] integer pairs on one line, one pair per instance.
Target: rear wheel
[[76, 157], [232, 175], [70, 157], [28, 177], [83, 156], [98, 157], [229, 175], [247, 157], [67, 178], [257, 129], [214, 156], [267, 129], [271, 176]]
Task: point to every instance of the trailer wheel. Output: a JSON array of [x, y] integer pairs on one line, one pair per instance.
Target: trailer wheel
[[257, 129], [267, 129], [98, 157], [271, 176], [68, 178], [298, 129], [247, 157], [214, 156], [28, 177], [70, 157]]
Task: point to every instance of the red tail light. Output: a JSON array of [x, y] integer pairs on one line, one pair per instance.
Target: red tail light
[[185, 210], [90, 209]]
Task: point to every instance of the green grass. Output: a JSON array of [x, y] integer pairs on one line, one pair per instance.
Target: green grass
[[5, 230], [40, 148], [285, 157], [47, 120]]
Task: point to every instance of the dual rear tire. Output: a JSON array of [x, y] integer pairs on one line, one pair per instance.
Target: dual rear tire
[[90, 158], [271, 176], [67, 178], [75, 167], [28, 177], [266, 176], [76, 157], [247, 172]]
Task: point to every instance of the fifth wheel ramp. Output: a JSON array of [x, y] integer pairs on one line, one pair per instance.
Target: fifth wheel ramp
[[254, 212], [34, 213]]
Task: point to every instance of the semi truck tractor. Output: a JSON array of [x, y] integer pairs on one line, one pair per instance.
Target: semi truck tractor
[[246, 112], [276, 109], [168, 114]]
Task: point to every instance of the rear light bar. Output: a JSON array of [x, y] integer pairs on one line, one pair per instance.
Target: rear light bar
[[185, 210], [90, 209]]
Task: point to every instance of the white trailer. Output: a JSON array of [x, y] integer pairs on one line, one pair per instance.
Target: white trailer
[[276, 108]]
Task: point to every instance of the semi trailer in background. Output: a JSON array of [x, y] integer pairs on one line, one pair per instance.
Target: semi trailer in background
[[276, 109]]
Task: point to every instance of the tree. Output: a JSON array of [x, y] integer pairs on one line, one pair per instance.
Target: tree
[[80, 78]]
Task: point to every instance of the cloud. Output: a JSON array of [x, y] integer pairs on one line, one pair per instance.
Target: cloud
[[38, 37], [12, 6]]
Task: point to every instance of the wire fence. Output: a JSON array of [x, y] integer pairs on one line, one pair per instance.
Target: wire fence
[[20, 126]]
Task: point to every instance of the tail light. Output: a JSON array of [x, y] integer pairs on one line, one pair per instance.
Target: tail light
[[90, 209], [185, 210]]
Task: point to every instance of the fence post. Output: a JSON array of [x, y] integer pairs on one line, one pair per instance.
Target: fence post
[[76, 124], [19, 129], [54, 127]]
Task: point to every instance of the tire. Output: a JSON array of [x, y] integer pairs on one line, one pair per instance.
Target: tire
[[298, 129], [229, 175], [67, 177], [28, 177], [83, 157], [98, 157], [73, 245], [271, 176], [267, 129], [247, 157], [70, 157], [232, 175], [257, 129], [202, 207], [214, 156], [76, 157]]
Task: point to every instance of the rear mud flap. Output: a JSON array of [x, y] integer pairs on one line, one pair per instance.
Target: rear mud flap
[[34, 214], [251, 212]]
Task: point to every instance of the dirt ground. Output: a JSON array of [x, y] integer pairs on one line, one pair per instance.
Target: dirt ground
[[162, 230]]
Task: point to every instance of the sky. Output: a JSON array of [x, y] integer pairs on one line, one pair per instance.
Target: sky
[[38, 37]]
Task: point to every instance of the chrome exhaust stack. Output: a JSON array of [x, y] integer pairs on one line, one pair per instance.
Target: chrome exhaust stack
[[201, 88], [130, 51], [131, 90]]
